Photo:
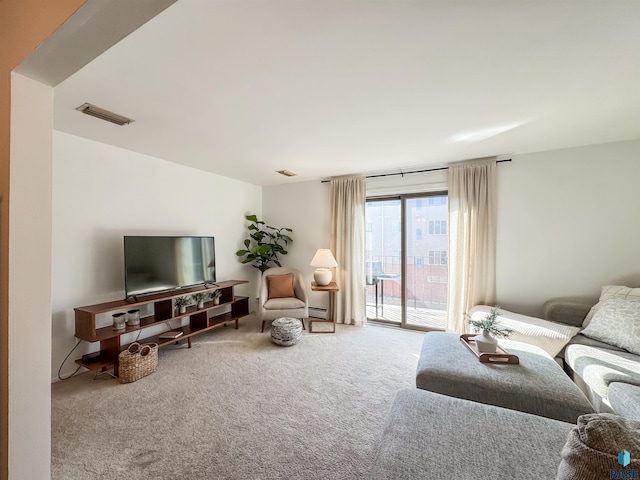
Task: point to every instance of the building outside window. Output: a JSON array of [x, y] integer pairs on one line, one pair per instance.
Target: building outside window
[[437, 257], [437, 227]]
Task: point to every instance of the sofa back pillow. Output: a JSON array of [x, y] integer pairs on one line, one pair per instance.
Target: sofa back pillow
[[617, 322], [612, 291]]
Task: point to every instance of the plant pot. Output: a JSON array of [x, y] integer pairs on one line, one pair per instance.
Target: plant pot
[[183, 309], [485, 343], [216, 301], [201, 304], [119, 321]]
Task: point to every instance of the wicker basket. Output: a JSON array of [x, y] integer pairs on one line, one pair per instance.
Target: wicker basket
[[137, 361]]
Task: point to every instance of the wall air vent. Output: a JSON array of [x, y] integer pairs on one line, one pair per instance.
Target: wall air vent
[[286, 173], [103, 114]]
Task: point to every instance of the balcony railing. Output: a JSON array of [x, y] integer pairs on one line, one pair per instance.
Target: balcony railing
[[426, 291]]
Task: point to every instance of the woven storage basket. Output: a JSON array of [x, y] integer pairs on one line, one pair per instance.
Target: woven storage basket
[[137, 361]]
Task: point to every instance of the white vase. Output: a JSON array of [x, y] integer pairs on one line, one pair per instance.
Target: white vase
[[485, 343]]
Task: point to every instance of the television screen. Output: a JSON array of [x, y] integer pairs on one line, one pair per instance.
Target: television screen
[[154, 264]]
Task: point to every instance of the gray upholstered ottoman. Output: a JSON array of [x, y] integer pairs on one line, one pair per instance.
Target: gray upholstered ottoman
[[538, 385], [432, 436]]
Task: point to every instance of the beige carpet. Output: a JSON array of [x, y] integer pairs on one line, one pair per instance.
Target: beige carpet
[[237, 406]]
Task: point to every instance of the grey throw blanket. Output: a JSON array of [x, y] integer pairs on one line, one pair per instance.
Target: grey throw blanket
[[593, 449]]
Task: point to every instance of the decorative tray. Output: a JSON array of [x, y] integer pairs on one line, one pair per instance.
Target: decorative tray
[[501, 355]]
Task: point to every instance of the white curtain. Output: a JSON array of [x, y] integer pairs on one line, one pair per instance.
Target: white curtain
[[348, 196], [472, 239]]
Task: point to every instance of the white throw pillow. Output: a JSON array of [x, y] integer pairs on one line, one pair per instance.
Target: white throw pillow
[[612, 291], [617, 322], [549, 336]]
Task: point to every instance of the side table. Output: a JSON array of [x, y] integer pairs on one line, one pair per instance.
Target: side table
[[381, 277], [332, 288]]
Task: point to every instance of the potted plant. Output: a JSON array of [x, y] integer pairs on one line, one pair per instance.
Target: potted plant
[[264, 244], [199, 298], [490, 327], [181, 303], [215, 296]]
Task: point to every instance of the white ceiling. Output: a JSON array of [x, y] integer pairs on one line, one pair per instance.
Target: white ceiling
[[243, 88]]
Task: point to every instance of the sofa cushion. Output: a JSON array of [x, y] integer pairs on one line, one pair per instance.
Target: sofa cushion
[[430, 436], [625, 399], [612, 291], [617, 322], [593, 369], [582, 340], [549, 336]]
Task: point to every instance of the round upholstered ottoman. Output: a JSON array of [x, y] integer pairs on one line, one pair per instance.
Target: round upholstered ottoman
[[286, 331]]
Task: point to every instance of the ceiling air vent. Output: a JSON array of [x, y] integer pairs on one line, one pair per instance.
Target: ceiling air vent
[[286, 173], [103, 114]]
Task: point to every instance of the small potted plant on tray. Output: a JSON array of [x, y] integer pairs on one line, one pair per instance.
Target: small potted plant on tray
[[181, 304], [491, 329]]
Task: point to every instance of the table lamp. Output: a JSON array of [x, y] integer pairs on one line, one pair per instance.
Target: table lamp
[[323, 259]]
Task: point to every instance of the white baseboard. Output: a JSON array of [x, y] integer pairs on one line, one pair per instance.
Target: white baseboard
[[318, 312]]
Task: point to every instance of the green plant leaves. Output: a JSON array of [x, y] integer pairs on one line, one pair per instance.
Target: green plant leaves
[[264, 244], [491, 325]]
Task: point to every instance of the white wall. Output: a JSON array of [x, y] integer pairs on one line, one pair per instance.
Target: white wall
[[29, 279], [303, 207], [101, 193], [567, 223], [435, 181]]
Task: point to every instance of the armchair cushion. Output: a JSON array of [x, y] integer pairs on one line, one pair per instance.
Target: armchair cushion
[[283, 303], [280, 286]]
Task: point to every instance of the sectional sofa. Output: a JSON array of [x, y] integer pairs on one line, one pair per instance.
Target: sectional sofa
[[432, 435], [607, 374]]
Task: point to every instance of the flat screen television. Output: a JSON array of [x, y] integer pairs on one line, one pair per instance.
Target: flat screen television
[[155, 264]]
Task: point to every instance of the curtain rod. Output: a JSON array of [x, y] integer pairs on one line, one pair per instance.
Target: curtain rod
[[414, 171]]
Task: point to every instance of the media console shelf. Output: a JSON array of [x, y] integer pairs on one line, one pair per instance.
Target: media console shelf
[[164, 311]]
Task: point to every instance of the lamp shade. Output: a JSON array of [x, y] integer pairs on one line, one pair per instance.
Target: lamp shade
[[323, 259]]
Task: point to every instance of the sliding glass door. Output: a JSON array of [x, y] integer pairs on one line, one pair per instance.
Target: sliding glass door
[[383, 268], [426, 260], [407, 260]]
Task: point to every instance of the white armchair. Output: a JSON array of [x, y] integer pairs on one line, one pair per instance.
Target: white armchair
[[286, 300]]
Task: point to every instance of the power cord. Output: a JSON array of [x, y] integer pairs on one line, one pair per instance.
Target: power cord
[[64, 361]]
